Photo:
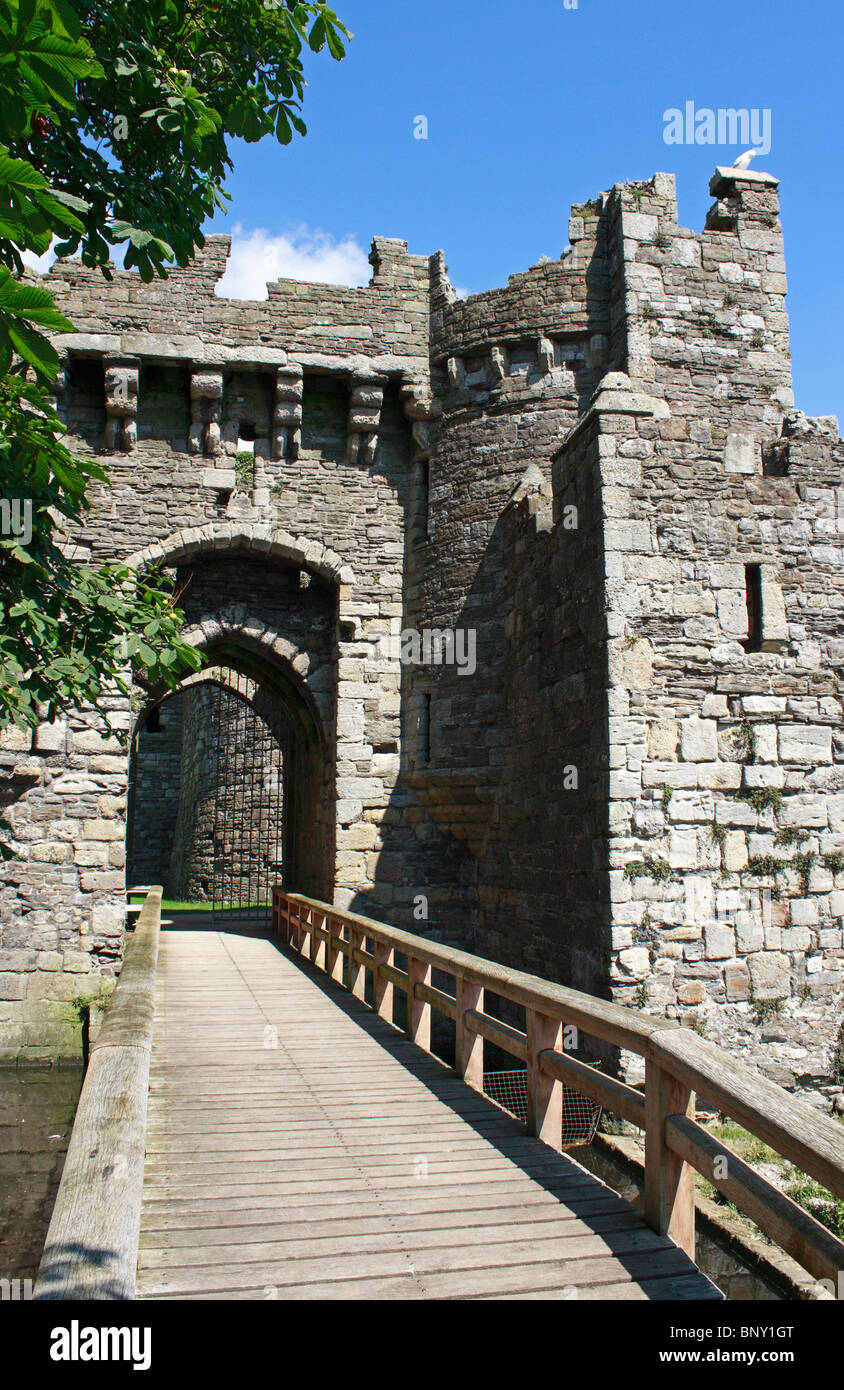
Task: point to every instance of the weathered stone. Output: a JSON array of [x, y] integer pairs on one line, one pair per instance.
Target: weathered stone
[[770, 974]]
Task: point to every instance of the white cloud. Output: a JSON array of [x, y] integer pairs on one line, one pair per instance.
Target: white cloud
[[257, 257], [40, 264]]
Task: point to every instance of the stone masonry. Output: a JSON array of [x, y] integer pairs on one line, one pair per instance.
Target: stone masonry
[[598, 473]]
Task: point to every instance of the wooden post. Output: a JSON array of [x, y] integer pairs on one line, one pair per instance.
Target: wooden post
[[333, 957], [317, 943], [357, 972], [544, 1092], [383, 989], [418, 1010], [469, 1045], [330, 953], [669, 1180]]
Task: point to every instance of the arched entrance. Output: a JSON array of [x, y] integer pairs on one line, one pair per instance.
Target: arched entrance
[[233, 776], [224, 790]]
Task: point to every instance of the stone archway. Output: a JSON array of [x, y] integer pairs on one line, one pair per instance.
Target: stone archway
[[230, 538], [266, 614]]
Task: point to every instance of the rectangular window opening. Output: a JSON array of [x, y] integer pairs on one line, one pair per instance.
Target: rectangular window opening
[[423, 489], [425, 729], [753, 586]]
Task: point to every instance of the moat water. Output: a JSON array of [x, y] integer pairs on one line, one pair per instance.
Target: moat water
[[37, 1106]]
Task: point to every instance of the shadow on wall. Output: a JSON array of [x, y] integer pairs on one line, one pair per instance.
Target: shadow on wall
[[496, 834]]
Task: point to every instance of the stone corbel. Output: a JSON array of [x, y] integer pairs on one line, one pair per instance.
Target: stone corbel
[[420, 409], [206, 408], [545, 355], [121, 403], [287, 413], [498, 362], [456, 369], [365, 402]]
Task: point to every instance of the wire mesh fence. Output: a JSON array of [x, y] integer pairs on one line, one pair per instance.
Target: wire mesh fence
[[580, 1114]]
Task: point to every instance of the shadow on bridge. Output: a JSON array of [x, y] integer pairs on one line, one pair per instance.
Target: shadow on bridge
[[637, 1249]]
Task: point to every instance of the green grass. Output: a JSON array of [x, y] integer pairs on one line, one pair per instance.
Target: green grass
[[174, 905], [810, 1195]]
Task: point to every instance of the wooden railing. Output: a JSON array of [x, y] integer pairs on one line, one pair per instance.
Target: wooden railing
[[678, 1066], [91, 1250]]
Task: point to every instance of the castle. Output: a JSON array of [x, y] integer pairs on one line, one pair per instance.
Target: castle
[[594, 482]]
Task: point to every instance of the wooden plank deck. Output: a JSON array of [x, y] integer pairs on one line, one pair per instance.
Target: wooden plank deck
[[300, 1148]]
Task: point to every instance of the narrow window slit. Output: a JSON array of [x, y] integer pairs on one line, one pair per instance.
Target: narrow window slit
[[753, 587]]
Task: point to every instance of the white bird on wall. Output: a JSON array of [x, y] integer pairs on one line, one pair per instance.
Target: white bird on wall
[[743, 161]]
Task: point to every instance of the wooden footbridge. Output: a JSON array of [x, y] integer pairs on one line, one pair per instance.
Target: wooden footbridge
[[252, 1128]]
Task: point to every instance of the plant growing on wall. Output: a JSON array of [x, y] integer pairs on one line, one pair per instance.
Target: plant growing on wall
[[244, 464]]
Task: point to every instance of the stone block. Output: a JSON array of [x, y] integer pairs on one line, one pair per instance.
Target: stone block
[[735, 851], [795, 939], [77, 962], [804, 912], [737, 982], [806, 745], [663, 735], [51, 738], [683, 849], [107, 919], [635, 961], [103, 830], [699, 740], [750, 934], [770, 974], [720, 776], [638, 666], [732, 613], [719, 941]]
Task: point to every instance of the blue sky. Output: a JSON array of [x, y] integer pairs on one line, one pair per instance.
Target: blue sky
[[532, 107]]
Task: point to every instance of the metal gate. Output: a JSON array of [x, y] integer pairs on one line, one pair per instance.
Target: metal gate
[[253, 794]]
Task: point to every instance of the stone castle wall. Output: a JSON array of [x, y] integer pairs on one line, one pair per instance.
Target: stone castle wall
[[597, 471]]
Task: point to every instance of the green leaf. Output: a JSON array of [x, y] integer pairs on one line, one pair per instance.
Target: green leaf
[[335, 43], [17, 173], [70, 200], [34, 348], [316, 38]]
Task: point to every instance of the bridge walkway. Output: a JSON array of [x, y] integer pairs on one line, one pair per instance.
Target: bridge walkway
[[299, 1147]]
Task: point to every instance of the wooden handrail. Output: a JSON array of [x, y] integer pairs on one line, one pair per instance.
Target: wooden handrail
[[678, 1065], [91, 1251]]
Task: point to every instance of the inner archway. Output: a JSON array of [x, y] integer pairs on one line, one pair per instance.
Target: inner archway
[[225, 790]]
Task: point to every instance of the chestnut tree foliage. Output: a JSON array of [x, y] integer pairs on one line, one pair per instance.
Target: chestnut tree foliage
[[115, 123]]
